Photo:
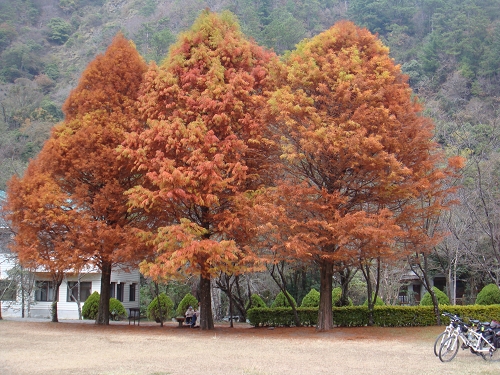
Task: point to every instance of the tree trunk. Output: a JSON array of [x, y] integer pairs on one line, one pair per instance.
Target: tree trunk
[[160, 310], [345, 278], [230, 295], [424, 278], [281, 282], [325, 314], [103, 312], [53, 308], [206, 318]]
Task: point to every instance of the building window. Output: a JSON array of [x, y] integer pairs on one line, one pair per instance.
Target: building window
[[119, 292], [85, 291], [8, 290], [44, 291], [131, 295], [112, 289]]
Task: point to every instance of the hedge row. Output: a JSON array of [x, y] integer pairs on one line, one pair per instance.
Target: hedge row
[[384, 316]]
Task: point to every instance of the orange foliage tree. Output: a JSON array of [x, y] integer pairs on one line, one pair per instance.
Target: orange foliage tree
[[204, 144], [357, 156], [82, 159], [45, 225]]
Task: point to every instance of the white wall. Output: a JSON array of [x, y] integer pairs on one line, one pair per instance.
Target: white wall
[[69, 310]]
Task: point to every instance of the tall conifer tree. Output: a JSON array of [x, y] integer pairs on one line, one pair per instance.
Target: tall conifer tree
[[204, 145], [83, 160], [358, 157]]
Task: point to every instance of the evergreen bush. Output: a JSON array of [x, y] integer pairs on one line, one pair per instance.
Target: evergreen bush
[[311, 299], [378, 302], [336, 294], [116, 309], [188, 300], [441, 297], [281, 301], [91, 307], [167, 308], [489, 295], [256, 301]]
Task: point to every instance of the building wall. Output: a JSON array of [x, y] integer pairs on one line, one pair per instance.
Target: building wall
[[69, 310]]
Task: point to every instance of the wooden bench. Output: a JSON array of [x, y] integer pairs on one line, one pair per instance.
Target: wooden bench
[[134, 315]]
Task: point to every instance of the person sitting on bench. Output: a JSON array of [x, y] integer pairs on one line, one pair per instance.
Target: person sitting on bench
[[189, 315]]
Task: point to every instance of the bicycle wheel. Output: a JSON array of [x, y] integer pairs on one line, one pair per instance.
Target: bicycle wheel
[[449, 349], [491, 354], [439, 341]]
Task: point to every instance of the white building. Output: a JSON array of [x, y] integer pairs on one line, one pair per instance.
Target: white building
[[124, 286], [40, 290]]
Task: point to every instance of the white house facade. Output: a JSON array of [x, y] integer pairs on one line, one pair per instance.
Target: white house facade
[[33, 291]]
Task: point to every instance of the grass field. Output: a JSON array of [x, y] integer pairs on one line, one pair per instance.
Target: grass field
[[28, 347]]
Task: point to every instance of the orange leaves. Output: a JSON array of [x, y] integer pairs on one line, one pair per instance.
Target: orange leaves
[[353, 146], [205, 143], [186, 247], [73, 209]]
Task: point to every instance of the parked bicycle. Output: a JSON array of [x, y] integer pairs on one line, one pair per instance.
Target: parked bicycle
[[480, 338], [454, 321]]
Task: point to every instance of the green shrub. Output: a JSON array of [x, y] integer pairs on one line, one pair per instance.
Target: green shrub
[[91, 306], [256, 301], [167, 308], [336, 294], [441, 297], [188, 300], [489, 295], [116, 309], [378, 302], [311, 299], [281, 301], [384, 316]]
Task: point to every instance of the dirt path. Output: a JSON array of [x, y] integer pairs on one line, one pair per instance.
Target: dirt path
[[120, 349]]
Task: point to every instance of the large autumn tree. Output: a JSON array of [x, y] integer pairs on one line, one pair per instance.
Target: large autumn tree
[[204, 144], [83, 160], [45, 225], [357, 156]]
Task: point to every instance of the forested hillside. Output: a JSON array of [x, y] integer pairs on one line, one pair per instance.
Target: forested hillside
[[450, 50]]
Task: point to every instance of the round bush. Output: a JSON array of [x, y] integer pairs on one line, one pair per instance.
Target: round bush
[[91, 306], [489, 295], [256, 301], [281, 301], [188, 300], [378, 302], [167, 308], [116, 309], [311, 299], [336, 293], [441, 297]]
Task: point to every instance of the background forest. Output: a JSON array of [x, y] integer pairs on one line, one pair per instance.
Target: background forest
[[450, 49]]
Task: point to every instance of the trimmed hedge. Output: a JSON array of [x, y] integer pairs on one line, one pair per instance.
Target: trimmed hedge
[[384, 316], [281, 316]]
